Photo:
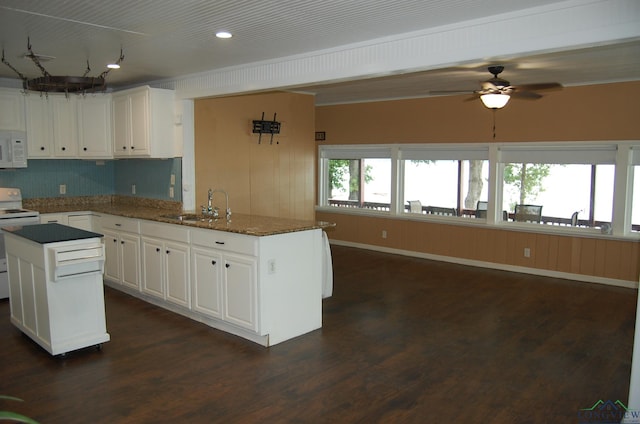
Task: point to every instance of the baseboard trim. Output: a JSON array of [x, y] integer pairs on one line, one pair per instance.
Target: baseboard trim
[[492, 265]]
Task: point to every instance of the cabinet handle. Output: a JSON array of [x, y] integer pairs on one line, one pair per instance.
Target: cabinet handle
[[64, 148], [42, 148], [219, 242], [115, 240], [124, 147], [132, 147], [122, 242], [227, 265], [213, 262], [84, 148], [157, 249], [118, 225], [168, 252]]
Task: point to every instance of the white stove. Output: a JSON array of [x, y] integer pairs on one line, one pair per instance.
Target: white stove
[[11, 214]]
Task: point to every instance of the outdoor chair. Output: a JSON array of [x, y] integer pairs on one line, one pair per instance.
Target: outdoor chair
[[481, 209], [437, 210], [528, 213]]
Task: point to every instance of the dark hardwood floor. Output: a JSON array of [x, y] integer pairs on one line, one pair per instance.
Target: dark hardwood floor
[[403, 340]]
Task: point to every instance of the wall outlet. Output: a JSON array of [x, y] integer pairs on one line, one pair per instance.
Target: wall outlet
[[527, 252], [384, 234], [173, 179], [271, 265], [170, 192], [63, 189], [133, 189]]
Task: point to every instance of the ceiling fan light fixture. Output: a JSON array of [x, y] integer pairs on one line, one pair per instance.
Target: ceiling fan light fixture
[[495, 101], [113, 66]]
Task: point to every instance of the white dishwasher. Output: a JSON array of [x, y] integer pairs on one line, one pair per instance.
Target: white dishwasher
[[56, 292]]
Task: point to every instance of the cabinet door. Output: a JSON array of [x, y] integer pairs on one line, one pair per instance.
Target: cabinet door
[[240, 291], [65, 126], [177, 273], [39, 127], [152, 267], [112, 255], [94, 127], [84, 222], [206, 266], [140, 123], [12, 110], [130, 260], [121, 125]]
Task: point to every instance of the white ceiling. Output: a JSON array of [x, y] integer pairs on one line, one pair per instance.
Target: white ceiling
[[165, 39]]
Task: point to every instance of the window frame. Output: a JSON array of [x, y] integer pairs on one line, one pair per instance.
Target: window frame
[[623, 154]]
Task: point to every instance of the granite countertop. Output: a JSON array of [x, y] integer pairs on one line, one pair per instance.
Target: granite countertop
[[168, 212]]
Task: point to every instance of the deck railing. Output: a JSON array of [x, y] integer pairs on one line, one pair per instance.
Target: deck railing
[[471, 213]]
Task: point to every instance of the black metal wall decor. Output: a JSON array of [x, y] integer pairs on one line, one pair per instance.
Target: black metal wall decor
[[266, 127]]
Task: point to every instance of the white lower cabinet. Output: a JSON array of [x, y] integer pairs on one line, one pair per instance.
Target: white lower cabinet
[[122, 250], [206, 276], [266, 289], [225, 286], [83, 220], [165, 262]]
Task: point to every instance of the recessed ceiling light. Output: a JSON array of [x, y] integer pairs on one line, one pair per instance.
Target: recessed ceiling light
[[113, 66], [223, 34]]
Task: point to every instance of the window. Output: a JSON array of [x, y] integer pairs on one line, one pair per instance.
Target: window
[[635, 189], [360, 183], [572, 187], [445, 187], [562, 191], [442, 180], [356, 177]]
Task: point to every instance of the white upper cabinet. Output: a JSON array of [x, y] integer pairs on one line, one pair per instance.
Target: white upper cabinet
[[143, 121], [69, 127], [12, 112], [65, 126], [39, 127], [94, 127]]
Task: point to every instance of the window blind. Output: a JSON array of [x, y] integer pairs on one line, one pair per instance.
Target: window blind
[[597, 154]]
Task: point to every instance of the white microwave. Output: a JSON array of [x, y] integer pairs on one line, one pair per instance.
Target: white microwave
[[13, 149]]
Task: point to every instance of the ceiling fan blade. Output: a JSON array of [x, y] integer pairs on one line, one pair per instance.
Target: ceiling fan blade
[[525, 95], [488, 86], [444, 92], [540, 86]]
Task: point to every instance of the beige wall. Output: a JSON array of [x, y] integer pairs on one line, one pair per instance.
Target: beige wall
[[604, 112], [262, 179]]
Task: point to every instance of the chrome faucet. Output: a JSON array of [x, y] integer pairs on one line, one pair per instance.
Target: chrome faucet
[[213, 210]]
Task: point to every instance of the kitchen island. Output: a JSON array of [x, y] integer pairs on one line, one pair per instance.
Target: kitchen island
[[56, 292], [260, 278]]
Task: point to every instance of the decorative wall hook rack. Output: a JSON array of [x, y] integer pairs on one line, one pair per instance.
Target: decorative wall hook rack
[[266, 127]]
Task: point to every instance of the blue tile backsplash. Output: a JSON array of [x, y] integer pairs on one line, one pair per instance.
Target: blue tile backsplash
[[43, 177]]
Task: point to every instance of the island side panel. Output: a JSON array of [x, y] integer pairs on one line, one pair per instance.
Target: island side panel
[[290, 284]]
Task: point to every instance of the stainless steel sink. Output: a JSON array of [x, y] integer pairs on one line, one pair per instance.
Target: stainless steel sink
[[189, 217]]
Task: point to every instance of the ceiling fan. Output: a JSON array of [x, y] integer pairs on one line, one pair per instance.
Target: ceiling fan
[[496, 92]]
